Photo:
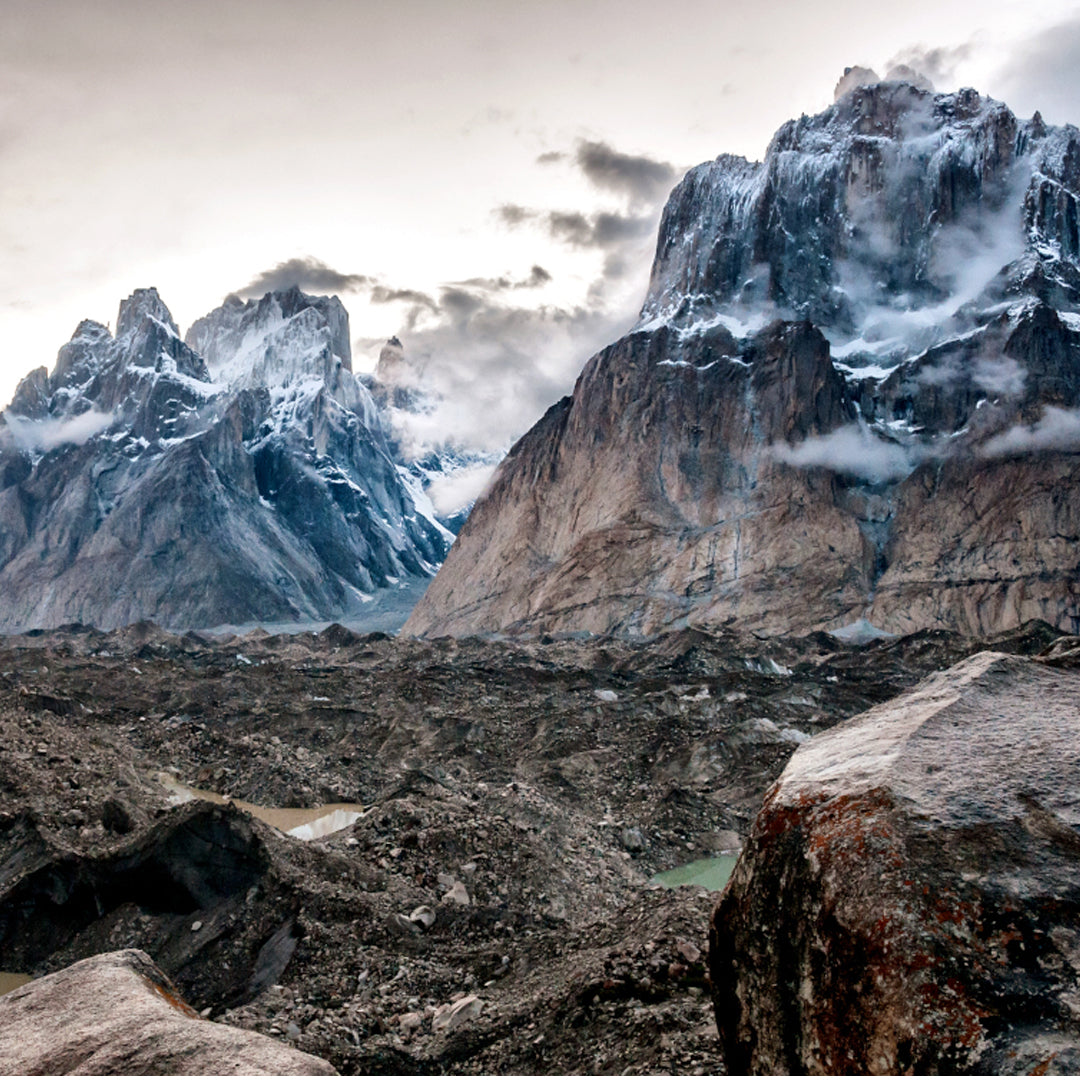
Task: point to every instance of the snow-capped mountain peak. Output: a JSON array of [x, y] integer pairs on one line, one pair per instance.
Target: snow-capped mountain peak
[[241, 474]]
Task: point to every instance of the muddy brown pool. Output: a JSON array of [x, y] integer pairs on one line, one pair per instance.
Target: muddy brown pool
[[11, 980], [303, 823]]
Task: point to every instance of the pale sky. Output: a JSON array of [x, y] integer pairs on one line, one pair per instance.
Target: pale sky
[[410, 146]]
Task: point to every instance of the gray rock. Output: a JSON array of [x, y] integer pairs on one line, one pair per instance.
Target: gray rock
[[456, 1014], [117, 1014], [457, 894], [403, 926], [424, 916], [909, 895], [116, 817], [410, 1022]]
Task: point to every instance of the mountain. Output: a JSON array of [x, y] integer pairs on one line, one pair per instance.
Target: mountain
[[241, 474], [852, 400], [450, 473]]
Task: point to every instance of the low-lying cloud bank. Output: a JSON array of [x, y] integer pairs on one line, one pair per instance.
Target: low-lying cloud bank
[[450, 493], [851, 450], [854, 450], [1056, 429], [43, 435]]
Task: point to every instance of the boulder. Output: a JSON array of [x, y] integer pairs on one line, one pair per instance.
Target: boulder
[[118, 1014], [455, 1014], [909, 897]]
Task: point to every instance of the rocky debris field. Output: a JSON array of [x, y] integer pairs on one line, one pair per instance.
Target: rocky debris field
[[489, 910]]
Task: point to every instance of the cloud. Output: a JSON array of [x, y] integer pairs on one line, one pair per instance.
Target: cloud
[[997, 375], [486, 366], [602, 230], [308, 273], [966, 256], [851, 451], [854, 77], [1043, 74], [453, 492], [905, 73], [487, 370], [460, 303], [1056, 429], [571, 227], [43, 435], [643, 180], [418, 301], [537, 277], [383, 294], [937, 64], [512, 215]]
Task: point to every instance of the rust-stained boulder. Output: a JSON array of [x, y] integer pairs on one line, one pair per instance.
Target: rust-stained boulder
[[118, 1014], [909, 899]]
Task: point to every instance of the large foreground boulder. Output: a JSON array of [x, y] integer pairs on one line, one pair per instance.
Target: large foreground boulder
[[909, 899], [117, 1014]]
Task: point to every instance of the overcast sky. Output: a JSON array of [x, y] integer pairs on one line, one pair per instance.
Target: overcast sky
[[481, 178]]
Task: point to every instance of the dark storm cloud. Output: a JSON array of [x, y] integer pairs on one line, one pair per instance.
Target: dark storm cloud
[[309, 274], [643, 180], [571, 227], [537, 276], [459, 303], [937, 64], [382, 294], [550, 157], [1044, 74], [604, 230], [513, 215]]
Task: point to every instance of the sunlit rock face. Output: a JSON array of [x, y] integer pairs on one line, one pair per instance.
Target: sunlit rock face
[[853, 397], [241, 475]]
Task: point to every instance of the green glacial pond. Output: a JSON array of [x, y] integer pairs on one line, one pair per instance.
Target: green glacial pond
[[705, 873]]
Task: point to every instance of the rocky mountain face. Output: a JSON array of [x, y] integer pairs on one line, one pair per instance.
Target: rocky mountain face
[[852, 401], [241, 474]]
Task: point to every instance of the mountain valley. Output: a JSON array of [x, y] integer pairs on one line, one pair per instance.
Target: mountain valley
[[788, 585]]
